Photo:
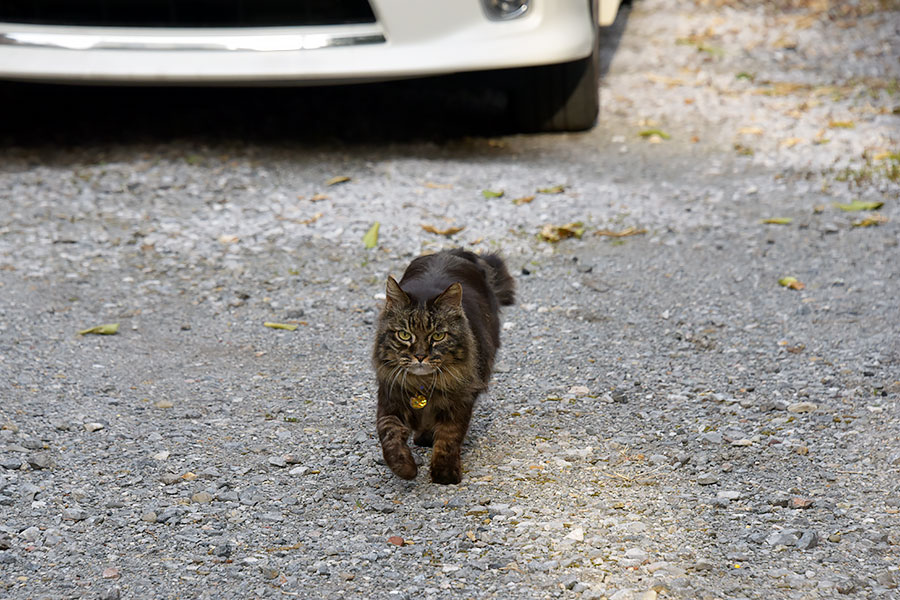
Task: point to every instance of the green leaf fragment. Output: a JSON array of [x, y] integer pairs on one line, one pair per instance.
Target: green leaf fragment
[[646, 133], [371, 237], [778, 221], [288, 326], [492, 193], [556, 189], [859, 205], [108, 329]]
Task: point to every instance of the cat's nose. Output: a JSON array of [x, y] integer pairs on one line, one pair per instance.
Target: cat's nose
[[421, 357]]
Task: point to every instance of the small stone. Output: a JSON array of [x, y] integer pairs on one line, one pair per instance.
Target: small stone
[[164, 455], [277, 461], [74, 514], [887, 579], [707, 479], [711, 437], [802, 407], [11, 463], [111, 593], [579, 391], [110, 573], [742, 442], [40, 461], [799, 502], [92, 427], [292, 459], [299, 471], [163, 404], [782, 538], [809, 539], [169, 478], [31, 534], [835, 537], [576, 535], [268, 572], [637, 554], [729, 495], [202, 498], [703, 564], [619, 396], [149, 517]]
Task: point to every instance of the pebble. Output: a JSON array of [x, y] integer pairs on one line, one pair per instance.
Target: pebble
[[729, 495], [92, 427], [74, 514], [782, 538], [802, 407], [111, 593], [809, 539], [707, 479], [277, 461], [149, 517], [202, 498]]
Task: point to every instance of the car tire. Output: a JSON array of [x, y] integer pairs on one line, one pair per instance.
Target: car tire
[[560, 97]]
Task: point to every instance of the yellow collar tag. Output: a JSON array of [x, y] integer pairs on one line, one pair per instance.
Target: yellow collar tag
[[418, 401]]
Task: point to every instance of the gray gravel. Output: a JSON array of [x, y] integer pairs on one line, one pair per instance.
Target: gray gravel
[[666, 420]]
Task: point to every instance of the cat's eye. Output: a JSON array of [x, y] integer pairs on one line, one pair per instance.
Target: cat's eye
[[438, 336], [404, 336]]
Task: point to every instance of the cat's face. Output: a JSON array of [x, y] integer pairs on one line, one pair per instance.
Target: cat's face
[[431, 341]]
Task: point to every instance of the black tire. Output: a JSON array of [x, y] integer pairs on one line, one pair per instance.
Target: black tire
[[561, 97]]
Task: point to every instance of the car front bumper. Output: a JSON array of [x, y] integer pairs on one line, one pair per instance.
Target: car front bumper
[[410, 38]]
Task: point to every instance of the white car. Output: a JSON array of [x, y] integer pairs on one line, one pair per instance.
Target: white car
[[551, 44]]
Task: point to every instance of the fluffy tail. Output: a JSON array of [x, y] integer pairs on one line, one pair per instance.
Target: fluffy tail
[[501, 281]]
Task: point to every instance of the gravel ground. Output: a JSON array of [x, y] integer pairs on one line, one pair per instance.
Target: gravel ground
[[666, 420]]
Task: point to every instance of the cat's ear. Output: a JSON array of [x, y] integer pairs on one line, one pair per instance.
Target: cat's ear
[[451, 297], [395, 296]]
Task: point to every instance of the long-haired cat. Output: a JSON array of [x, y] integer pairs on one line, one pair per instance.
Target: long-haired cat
[[434, 350]]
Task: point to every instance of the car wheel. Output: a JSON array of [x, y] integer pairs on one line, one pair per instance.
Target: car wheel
[[561, 97]]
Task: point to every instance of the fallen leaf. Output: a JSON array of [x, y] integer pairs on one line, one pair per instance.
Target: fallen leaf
[[648, 133], [492, 193], [790, 142], [555, 233], [108, 329], [395, 540], [371, 238], [448, 232], [778, 221], [556, 189], [228, 239], [189, 476], [619, 234], [523, 200], [438, 186], [338, 179], [842, 124], [288, 326], [859, 205], [871, 221], [471, 536], [318, 198], [791, 283], [750, 131], [311, 220]]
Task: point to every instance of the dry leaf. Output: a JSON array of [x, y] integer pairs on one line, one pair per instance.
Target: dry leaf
[[750, 131], [492, 193], [395, 540], [438, 186], [338, 179], [778, 221], [555, 233], [791, 283], [523, 200], [556, 189], [288, 326], [318, 198], [448, 232], [371, 238], [228, 239], [108, 329], [790, 142], [842, 124], [871, 220], [618, 234], [859, 205], [312, 219]]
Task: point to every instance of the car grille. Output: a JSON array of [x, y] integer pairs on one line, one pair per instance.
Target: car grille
[[186, 13]]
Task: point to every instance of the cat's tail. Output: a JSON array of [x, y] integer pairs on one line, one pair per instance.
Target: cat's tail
[[501, 281]]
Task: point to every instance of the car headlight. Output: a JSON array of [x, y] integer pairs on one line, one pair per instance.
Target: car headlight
[[505, 9]]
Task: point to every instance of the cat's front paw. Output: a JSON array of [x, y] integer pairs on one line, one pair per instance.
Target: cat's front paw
[[446, 474], [402, 465]]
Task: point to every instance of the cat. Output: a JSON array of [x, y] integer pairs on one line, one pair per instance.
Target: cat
[[435, 344]]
